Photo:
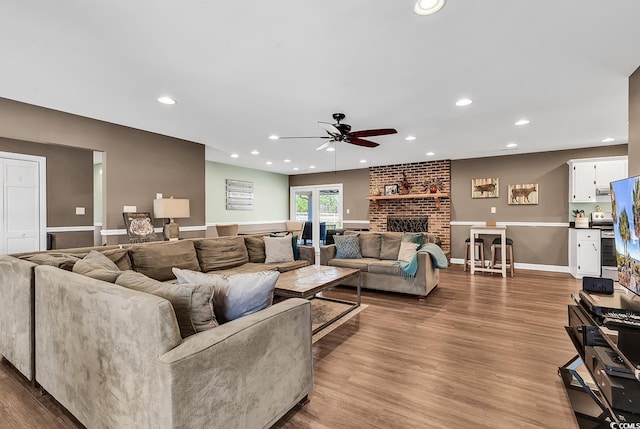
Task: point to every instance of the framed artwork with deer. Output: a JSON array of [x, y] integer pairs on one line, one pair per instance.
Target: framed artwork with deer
[[485, 188], [523, 194]]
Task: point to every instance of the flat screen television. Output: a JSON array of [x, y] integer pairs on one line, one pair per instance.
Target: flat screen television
[[625, 208]]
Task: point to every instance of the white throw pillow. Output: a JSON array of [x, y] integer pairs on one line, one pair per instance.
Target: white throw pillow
[[236, 295], [278, 249], [407, 251]]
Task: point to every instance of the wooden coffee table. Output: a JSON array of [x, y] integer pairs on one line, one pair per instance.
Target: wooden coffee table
[[308, 281]]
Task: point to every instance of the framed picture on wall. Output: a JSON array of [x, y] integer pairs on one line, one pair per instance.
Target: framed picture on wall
[[485, 188], [391, 189], [523, 194]]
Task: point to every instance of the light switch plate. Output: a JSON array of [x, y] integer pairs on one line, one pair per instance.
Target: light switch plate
[[130, 209], [79, 210], [493, 209]]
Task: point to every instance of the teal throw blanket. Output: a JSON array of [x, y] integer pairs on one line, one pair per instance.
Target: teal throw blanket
[[438, 259]]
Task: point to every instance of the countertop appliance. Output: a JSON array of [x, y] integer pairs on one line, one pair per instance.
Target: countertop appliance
[[604, 222]]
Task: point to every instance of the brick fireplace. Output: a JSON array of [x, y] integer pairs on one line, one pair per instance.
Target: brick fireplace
[[412, 210]]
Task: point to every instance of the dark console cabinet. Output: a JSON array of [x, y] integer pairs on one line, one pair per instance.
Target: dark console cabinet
[[602, 383]]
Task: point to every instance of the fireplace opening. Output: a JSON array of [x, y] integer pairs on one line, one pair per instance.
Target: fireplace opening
[[407, 224]]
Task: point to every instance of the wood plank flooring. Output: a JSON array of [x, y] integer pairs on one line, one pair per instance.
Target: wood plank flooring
[[480, 351]]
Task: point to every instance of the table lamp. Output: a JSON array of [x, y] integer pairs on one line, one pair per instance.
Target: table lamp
[[170, 209]]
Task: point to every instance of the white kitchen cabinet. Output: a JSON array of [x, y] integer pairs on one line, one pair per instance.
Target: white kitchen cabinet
[[589, 178], [584, 252]]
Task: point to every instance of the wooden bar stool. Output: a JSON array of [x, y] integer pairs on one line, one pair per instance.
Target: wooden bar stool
[[496, 245], [478, 252]]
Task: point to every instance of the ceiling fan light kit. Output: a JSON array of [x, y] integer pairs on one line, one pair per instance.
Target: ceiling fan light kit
[[428, 7]]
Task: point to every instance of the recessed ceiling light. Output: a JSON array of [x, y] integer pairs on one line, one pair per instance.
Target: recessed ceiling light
[[410, 138], [331, 149], [608, 140], [512, 145], [234, 155], [287, 160], [273, 137], [312, 167], [268, 162], [522, 122], [166, 100], [362, 161], [255, 152], [296, 168], [464, 102], [428, 7], [430, 153]]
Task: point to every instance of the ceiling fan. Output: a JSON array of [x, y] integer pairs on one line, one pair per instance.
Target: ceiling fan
[[340, 132]]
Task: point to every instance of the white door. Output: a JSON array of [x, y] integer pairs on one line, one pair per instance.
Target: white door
[[319, 204], [22, 220]]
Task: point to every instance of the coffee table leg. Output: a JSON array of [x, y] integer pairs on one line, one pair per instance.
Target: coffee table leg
[[358, 290]]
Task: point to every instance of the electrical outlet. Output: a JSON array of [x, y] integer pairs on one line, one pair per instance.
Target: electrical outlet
[[129, 209], [79, 210], [493, 209]]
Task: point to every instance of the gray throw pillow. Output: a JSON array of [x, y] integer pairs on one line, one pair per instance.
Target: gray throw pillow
[[192, 303], [236, 295], [347, 246], [156, 259], [97, 266], [278, 249]]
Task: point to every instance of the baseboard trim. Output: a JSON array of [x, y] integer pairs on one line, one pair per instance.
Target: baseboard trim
[[525, 266]]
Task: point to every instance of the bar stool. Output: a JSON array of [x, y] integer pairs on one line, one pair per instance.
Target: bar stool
[[478, 252], [496, 247]]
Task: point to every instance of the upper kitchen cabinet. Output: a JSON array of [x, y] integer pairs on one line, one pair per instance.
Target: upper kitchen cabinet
[[589, 178]]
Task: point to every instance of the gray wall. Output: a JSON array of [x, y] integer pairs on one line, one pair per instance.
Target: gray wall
[[136, 165], [634, 123], [533, 245]]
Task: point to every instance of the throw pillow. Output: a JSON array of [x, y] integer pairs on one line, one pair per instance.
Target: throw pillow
[[278, 249], [59, 260], [156, 259], [294, 243], [221, 253], [192, 303], [255, 249], [97, 266], [347, 246], [408, 250], [120, 257], [412, 237], [236, 295]]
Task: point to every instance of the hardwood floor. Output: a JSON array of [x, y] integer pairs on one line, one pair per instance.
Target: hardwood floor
[[480, 351]]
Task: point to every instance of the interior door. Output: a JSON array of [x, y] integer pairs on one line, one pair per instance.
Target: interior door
[[21, 226]]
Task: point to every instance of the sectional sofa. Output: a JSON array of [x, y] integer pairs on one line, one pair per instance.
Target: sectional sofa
[[115, 357]]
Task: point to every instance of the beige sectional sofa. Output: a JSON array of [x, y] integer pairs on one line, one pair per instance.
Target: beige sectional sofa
[[379, 268], [114, 357]]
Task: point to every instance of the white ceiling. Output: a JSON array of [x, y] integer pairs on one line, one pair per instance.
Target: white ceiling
[[244, 70]]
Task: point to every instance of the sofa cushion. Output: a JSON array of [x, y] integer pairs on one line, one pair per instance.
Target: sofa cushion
[[59, 260], [120, 257], [249, 267], [385, 267], [278, 249], [155, 260], [97, 266], [192, 303], [390, 245], [361, 264], [221, 253], [236, 295], [347, 246], [255, 249], [370, 245], [288, 266]]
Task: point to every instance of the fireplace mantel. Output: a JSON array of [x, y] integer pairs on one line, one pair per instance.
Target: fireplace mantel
[[376, 198]]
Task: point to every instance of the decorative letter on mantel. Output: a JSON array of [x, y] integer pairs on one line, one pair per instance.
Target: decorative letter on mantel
[[239, 195]]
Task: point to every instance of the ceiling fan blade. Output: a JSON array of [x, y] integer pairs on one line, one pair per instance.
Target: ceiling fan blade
[[371, 133], [314, 137], [330, 128], [325, 145], [362, 142]]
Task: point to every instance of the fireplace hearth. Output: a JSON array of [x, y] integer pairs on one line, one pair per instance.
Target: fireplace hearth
[[407, 224]]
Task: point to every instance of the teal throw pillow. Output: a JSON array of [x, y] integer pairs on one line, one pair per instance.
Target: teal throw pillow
[[347, 246], [412, 237]]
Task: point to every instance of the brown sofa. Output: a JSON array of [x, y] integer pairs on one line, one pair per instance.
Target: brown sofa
[[80, 337], [379, 268]]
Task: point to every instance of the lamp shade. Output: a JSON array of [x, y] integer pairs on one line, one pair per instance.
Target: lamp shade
[[171, 208]]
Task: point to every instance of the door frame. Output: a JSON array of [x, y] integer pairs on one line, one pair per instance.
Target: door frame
[[42, 190], [315, 206]]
